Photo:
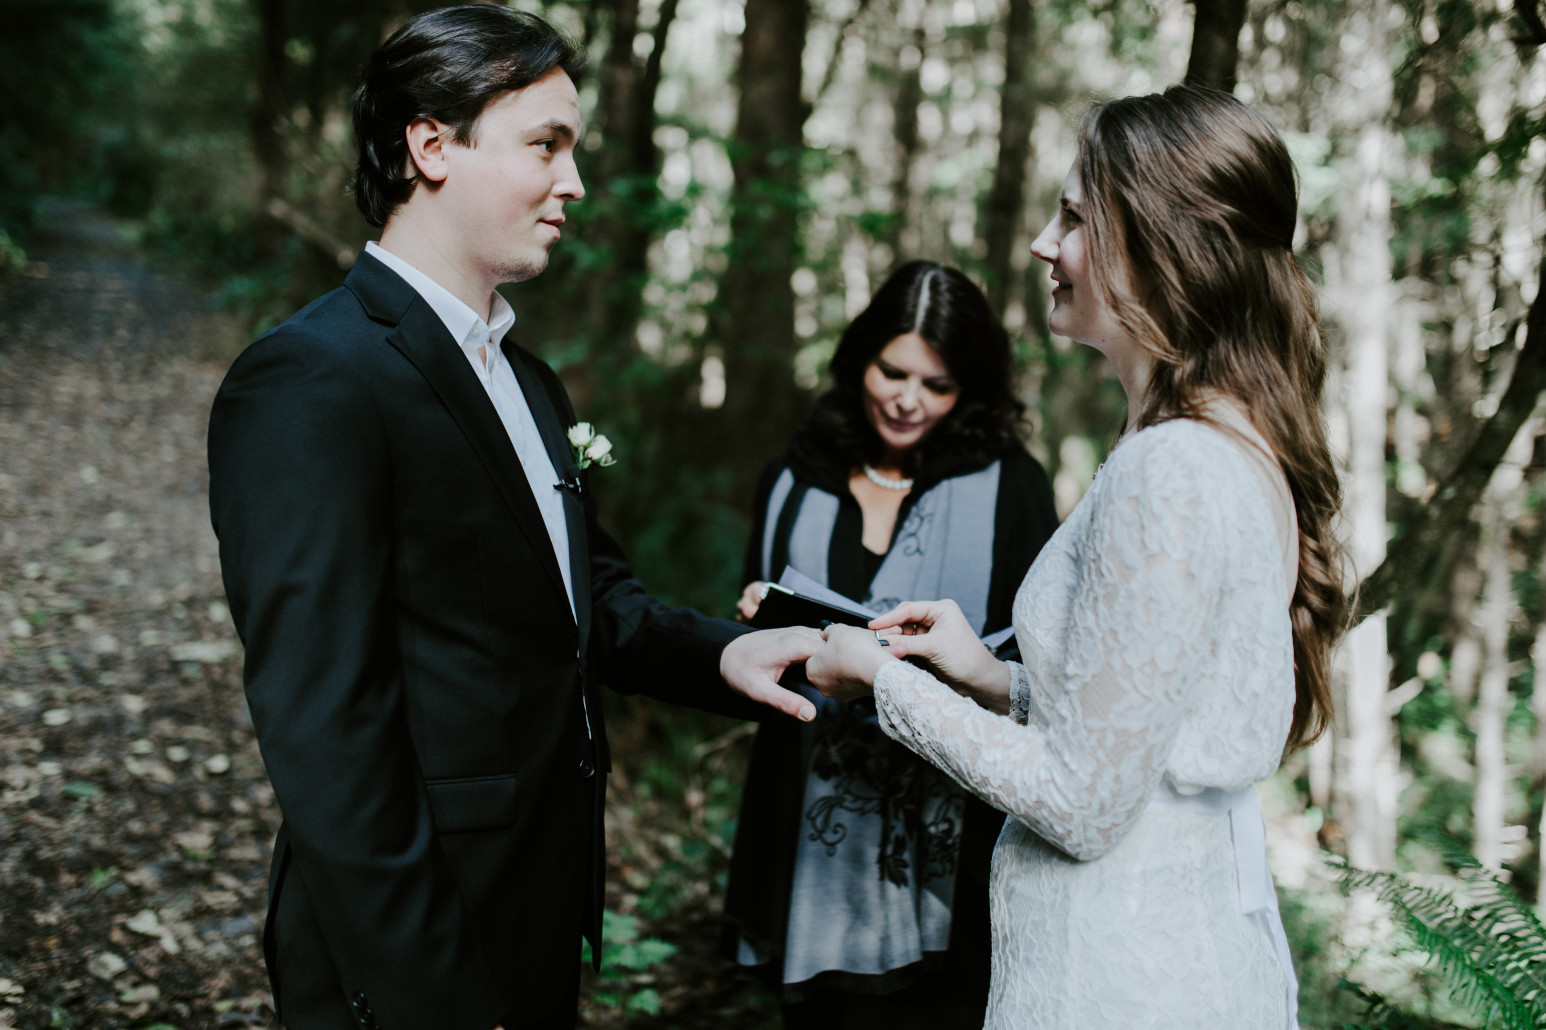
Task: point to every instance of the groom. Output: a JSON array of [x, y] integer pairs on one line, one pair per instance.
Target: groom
[[412, 558]]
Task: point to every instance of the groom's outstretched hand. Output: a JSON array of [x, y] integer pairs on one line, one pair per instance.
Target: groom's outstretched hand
[[752, 664]]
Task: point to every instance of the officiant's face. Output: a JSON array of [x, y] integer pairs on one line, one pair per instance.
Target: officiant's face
[[908, 389], [507, 188]]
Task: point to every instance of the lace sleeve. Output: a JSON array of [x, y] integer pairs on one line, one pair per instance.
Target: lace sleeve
[[1020, 700], [1147, 582]]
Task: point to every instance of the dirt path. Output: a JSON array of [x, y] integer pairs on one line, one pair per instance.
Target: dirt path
[[135, 817]]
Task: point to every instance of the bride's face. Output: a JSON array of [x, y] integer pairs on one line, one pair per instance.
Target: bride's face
[[1078, 312]]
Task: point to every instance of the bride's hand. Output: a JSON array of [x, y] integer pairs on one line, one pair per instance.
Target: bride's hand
[[846, 665], [937, 635]]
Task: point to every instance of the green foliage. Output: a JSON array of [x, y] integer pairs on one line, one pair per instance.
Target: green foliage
[[82, 790], [1487, 945], [64, 66], [627, 959], [625, 949]]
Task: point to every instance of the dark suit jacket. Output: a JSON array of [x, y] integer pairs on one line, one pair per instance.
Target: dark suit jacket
[[424, 699]]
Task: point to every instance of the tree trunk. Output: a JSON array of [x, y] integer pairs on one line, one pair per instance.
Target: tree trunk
[[1538, 698], [904, 122], [1407, 360], [1448, 511], [1491, 711], [1005, 201], [1216, 43], [267, 121], [1538, 772], [1366, 798], [1502, 508], [619, 218], [762, 404]]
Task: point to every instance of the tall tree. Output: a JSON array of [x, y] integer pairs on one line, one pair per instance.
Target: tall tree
[[267, 121], [620, 216], [1216, 43], [1538, 770], [1363, 308], [756, 309], [1491, 711], [1016, 109], [904, 120]]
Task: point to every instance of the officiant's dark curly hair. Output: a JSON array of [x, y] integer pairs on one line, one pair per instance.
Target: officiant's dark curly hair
[[446, 65], [943, 306]]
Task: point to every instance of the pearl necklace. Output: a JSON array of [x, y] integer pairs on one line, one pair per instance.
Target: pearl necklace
[[886, 482]]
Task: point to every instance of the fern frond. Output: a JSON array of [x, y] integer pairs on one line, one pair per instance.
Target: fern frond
[[1516, 938], [1485, 953]]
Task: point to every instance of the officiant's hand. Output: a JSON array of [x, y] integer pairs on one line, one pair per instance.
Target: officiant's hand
[[751, 600], [752, 664], [845, 667], [936, 635]]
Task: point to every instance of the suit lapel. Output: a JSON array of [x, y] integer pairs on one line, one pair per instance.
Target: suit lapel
[[422, 338], [555, 438]]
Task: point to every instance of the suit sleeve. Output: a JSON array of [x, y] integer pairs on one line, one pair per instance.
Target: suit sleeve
[[637, 643], [300, 485]]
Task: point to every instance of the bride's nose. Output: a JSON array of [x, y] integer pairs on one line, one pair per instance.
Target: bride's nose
[[1045, 246]]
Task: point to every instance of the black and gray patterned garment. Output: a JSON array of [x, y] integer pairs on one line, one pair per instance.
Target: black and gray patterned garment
[[859, 867]]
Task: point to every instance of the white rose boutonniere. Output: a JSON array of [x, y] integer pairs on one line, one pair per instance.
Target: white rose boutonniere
[[590, 447]]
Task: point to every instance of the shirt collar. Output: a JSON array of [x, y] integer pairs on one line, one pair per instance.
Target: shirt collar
[[465, 326]]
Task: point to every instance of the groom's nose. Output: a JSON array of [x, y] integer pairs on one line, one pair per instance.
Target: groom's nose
[[569, 186]]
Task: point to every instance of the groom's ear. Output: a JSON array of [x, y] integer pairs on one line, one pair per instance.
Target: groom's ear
[[427, 142]]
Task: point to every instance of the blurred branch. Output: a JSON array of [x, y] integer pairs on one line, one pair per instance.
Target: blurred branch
[[837, 52], [1535, 29], [335, 249], [651, 81], [1411, 558], [1215, 43], [1016, 113]]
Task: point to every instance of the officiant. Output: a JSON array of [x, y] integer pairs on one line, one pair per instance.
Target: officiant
[[859, 881]]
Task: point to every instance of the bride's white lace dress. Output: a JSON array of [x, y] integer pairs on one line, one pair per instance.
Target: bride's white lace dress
[[1158, 685]]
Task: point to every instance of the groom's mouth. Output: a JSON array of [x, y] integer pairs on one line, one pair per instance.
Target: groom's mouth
[[556, 224]]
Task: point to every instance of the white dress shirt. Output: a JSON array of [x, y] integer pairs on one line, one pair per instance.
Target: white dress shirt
[[473, 335]]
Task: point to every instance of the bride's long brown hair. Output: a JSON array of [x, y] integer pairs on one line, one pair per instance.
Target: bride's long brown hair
[[1193, 195]]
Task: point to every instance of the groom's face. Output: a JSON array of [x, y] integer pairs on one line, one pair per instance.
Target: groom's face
[[507, 188]]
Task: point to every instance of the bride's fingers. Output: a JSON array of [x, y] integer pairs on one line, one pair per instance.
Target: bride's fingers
[[910, 611]]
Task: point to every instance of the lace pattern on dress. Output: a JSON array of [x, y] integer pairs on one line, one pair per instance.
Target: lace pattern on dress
[[1157, 648]]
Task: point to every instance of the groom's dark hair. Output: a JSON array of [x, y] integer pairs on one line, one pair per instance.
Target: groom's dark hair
[[446, 65]]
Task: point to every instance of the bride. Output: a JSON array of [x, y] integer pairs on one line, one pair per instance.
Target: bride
[[1176, 631]]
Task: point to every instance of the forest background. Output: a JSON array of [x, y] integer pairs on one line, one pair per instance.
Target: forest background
[[755, 168]]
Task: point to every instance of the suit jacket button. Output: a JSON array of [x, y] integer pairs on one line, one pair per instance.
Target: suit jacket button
[[587, 768]]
